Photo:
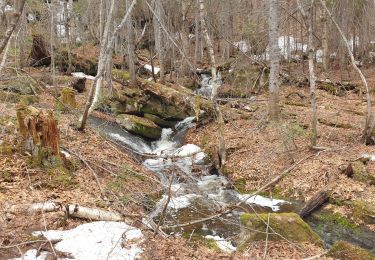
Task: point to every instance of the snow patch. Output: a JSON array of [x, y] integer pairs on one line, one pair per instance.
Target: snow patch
[[224, 245], [95, 241], [82, 75], [181, 202], [274, 204], [149, 68]]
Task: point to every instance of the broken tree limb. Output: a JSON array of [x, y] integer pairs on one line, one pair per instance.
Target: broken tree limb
[[315, 202], [77, 211], [35, 208]]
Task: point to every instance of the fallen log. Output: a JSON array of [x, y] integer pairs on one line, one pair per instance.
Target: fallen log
[[315, 202], [77, 211]]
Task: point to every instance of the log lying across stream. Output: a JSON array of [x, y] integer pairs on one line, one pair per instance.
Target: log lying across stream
[[315, 202]]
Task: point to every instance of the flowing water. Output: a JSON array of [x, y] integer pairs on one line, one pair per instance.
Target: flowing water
[[197, 191]]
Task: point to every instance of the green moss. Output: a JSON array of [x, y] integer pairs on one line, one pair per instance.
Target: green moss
[[28, 99], [345, 251], [140, 126], [199, 239], [59, 177], [335, 219], [361, 174], [7, 176], [6, 149], [288, 225], [362, 212], [9, 97], [240, 185], [160, 122], [121, 75], [329, 87]]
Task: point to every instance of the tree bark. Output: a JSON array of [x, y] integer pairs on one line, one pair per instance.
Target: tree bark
[[131, 48], [308, 20], [215, 87], [159, 39], [108, 49], [19, 5], [274, 61]]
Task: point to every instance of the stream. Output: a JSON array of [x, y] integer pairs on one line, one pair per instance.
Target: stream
[[197, 191]]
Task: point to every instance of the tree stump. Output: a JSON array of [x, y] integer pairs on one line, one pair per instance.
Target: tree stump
[[39, 55], [68, 98], [40, 133]]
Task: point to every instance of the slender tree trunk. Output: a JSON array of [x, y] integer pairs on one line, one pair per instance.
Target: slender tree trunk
[[131, 48], [67, 13], [52, 36], [369, 122], [19, 5], [308, 20], [274, 61], [159, 44], [101, 69], [326, 55], [215, 86]]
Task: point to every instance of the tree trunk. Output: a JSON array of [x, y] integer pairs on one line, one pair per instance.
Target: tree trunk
[[274, 61], [369, 122], [215, 87], [308, 20], [108, 49], [326, 54], [19, 5], [40, 132], [159, 39], [131, 48]]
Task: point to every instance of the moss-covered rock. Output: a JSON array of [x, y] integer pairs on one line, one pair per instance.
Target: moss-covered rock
[[140, 126], [362, 212], [160, 122], [345, 251], [288, 225], [360, 173], [20, 86]]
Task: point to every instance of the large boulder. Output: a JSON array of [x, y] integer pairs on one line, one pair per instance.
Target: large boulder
[[140, 126], [285, 225]]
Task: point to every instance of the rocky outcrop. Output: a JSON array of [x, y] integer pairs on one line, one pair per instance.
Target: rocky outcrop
[[139, 126], [284, 225]]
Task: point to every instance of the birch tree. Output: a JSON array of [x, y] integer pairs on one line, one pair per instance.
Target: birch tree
[[215, 87], [14, 19], [103, 59], [159, 21], [308, 20], [274, 60], [131, 47]]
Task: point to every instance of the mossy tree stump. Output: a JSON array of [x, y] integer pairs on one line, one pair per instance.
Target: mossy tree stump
[[40, 133], [68, 98]]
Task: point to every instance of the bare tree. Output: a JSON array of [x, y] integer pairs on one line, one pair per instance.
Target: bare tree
[[274, 60], [15, 17], [101, 69], [369, 121], [131, 48], [215, 87], [308, 20]]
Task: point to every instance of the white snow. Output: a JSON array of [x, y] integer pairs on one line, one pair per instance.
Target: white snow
[[181, 202], [371, 157], [31, 255], [67, 155], [149, 68], [82, 75], [274, 204], [187, 150], [95, 241], [224, 245]]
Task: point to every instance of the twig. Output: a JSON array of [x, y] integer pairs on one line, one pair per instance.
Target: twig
[[24, 243], [162, 216], [266, 246]]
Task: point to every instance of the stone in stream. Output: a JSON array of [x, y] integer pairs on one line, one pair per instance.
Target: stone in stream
[[139, 126], [287, 225], [346, 251]]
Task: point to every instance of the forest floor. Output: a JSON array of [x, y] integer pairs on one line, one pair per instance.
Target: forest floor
[[258, 150]]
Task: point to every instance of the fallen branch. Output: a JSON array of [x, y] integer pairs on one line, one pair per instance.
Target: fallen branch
[[77, 211]]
